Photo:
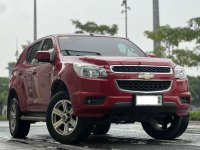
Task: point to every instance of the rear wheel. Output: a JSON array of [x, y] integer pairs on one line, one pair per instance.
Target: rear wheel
[[62, 124], [169, 128], [18, 128], [101, 127]]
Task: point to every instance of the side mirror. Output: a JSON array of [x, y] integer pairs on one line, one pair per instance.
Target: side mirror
[[151, 55], [45, 56]]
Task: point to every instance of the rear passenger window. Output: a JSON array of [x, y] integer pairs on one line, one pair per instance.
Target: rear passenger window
[[32, 51]]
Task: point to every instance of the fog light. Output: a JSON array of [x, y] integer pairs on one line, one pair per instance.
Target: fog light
[[185, 100], [94, 100]]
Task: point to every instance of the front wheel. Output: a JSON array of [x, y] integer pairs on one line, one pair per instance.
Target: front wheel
[[167, 128], [62, 124], [101, 127]]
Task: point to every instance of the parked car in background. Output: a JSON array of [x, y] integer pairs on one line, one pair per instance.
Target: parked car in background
[[80, 84]]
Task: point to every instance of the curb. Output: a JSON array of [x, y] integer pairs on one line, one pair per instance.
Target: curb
[[195, 122]]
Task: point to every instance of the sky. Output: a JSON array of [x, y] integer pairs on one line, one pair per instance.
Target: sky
[[54, 16]]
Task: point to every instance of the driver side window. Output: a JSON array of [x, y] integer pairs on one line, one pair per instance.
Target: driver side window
[[32, 51]]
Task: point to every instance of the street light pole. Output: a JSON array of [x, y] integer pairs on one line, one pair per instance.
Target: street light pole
[[17, 52], [124, 3], [126, 21], [35, 20], [156, 22]]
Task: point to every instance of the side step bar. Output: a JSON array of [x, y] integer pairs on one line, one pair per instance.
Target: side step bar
[[32, 118]]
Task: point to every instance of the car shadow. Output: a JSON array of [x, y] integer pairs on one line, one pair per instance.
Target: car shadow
[[120, 142]]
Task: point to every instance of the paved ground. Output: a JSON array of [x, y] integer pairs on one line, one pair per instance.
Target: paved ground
[[127, 136]]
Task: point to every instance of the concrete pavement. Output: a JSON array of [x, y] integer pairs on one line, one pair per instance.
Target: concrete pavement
[[126, 136]]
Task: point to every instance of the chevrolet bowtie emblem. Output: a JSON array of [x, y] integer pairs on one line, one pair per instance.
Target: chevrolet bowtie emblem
[[145, 76]]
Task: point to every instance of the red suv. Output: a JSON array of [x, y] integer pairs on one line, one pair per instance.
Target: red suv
[[80, 84]]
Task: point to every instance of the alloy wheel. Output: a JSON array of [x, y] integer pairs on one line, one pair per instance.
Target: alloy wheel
[[12, 117], [63, 119]]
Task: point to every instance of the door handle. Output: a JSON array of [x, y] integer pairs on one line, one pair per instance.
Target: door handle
[[34, 72], [20, 73]]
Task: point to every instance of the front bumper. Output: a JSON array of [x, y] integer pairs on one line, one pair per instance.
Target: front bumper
[[81, 88], [122, 104], [127, 112]]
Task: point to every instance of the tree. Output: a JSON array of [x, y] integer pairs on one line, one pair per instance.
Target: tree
[[26, 44], [194, 23], [185, 57], [161, 34], [3, 92], [10, 67], [92, 27], [171, 38], [194, 83]]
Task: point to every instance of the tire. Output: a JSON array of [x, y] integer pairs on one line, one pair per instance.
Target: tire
[[101, 128], [174, 127], [62, 124], [184, 125], [18, 128]]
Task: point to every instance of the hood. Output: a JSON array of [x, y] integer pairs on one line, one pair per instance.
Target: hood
[[99, 60]]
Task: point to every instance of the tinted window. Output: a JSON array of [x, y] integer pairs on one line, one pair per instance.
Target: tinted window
[[32, 51], [48, 44], [104, 46]]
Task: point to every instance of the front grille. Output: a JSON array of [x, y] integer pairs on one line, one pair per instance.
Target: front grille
[[151, 69], [143, 86]]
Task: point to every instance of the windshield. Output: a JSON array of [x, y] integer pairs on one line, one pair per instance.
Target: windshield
[[98, 46]]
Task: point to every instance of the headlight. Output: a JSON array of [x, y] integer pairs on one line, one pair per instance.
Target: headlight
[[180, 72], [89, 70]]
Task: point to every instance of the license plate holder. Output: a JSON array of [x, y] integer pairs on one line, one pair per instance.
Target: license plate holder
[[148, 100]]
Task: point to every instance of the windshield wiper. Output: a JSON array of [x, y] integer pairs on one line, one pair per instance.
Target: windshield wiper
[[70, 53]]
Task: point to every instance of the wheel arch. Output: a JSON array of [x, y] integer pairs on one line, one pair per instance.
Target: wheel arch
[[58, 86], [12, 93]]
